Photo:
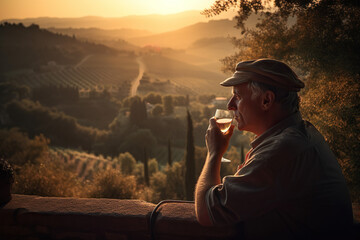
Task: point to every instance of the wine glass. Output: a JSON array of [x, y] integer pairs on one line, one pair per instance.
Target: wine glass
[[224, 119]]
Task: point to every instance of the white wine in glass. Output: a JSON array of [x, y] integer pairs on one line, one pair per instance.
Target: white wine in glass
[[224, 119], [224, 124]]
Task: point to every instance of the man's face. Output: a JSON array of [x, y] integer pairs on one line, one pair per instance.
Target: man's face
[[247, 108]]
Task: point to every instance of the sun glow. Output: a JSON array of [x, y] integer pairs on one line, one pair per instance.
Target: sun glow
[[103, 8], [167, 6]]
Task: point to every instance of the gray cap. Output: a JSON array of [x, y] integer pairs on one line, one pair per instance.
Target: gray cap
[[267, 71]]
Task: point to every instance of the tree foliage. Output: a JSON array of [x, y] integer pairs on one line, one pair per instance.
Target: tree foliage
[[321, 40], [61, 129], [138, 112], [112, 184], [47, 178], [52, 95], [168, 104], [127, 163], [190, 161]]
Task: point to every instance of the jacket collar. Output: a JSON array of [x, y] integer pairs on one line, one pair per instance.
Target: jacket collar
[[291, 120]]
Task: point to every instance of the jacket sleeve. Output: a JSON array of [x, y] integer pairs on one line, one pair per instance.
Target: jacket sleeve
[[249, 193]]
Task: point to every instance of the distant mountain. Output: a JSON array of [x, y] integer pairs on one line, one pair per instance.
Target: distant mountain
[[212, 50], [31, 47], [113, 38], [185, 37], [194, 78], [155, 23], [101, 34]]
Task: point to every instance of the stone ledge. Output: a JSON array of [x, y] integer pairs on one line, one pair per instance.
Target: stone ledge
[[34, 217], [76, 218]]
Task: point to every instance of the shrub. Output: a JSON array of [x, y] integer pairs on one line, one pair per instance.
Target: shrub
[[18, 149], [157, 110], [47, 178], [127, 163], [153, 166], [113, 184]]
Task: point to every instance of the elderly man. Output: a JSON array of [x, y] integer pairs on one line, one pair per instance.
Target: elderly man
[[291, 185]]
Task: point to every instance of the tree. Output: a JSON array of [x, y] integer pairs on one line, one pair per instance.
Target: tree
[[206, 113], [112, 184], [135, 140], [168, 105], [153, 98], [10, 91], [321, 40], [157, 110], [153, 166], [169, 153], [190, 161], [127, 163], [137, 111], [146, 168], [18, 149]]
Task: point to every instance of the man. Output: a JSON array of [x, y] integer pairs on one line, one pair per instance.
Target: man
[[6, 181], [291, 185]]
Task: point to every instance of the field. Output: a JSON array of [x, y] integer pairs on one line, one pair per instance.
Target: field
[[93, 71], [86, 165], [188, 76]]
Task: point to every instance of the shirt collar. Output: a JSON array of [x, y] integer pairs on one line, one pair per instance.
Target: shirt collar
[[293, 119]]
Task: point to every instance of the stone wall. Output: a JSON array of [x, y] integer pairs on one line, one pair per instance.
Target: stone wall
[[36, 218], [33, 217]]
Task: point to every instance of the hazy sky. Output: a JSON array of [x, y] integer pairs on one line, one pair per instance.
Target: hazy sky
[[104, 8]]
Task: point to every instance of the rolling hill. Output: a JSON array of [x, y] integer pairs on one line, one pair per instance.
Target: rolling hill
[[195, 79], [64, 60], [185, 37], [31, 47], [101, 34], [155, 23]]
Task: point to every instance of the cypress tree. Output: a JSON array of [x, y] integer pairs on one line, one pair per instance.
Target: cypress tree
[[168, 105], [146, 169], [169, 153], [190, 161], [137, 111], [187, 101]]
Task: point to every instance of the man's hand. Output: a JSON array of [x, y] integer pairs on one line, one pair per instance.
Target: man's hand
[[217, 144], [216, 141]]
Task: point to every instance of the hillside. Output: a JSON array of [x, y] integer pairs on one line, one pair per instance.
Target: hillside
[[184, 37], [154, 23], [193, 78], [64, 60], [101, 34], [31, 47]]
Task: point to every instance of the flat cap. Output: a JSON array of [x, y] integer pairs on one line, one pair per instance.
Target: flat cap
[[267, 71]]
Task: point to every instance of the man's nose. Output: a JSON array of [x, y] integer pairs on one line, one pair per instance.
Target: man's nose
[[231, 105]]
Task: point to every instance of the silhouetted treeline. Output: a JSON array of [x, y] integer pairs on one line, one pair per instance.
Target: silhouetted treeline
[[137, 111], [52, 95], [60, 128], [31, 47], [190, 178], [78, 124]]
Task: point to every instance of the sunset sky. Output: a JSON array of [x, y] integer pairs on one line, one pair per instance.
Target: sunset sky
[[103, 8]]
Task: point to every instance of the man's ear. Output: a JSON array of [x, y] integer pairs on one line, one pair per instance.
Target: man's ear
[[268, 99]]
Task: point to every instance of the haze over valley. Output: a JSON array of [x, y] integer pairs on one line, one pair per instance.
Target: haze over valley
[[186, 55], [114, 96]]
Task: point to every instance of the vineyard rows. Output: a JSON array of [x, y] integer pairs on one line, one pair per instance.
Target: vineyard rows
[[86, 165], [81, 77]]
